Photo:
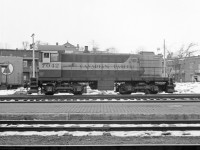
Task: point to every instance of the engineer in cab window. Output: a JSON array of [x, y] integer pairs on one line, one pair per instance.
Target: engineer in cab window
[[46, 55]]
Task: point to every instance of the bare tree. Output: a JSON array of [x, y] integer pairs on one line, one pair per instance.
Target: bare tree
[[186, 52], [95, 46], [40, 43], [25, 45], [81, 48], [140, 49], [111, 50], [181, 52], [95, 49], [169, 54]]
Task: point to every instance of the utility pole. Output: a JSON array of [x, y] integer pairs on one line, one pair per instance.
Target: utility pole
[[33, 46], [164, 60], [33, 80]]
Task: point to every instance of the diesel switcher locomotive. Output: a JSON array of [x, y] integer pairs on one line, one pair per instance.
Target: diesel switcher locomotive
[[124, 73]]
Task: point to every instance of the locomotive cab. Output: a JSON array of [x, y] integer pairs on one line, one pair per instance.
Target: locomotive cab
[[51, 75], [50, 67], [46, 57]]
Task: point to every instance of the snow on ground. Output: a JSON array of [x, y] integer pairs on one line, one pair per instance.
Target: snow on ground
[[20, 90], [100, 133], [181, 88], [188, 87]]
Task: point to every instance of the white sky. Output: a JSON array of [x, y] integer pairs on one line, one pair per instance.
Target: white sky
[[127, 25]]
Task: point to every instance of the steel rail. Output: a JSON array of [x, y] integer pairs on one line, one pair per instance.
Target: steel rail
[[39, 129], [105, 127], [118, 146], [99, 96], [158, 101], [103, 101], [99, 122]]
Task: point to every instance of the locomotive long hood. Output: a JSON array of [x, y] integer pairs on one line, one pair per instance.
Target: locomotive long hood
[[100, 62]]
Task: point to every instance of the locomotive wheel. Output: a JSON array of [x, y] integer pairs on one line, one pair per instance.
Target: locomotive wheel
[[122, 91], [153, 92], [147, 91], [29, 93], [77, 93]]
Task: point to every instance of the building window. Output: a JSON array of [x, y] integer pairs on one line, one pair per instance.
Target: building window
[[25, 77], [25, 63], [191, 65]]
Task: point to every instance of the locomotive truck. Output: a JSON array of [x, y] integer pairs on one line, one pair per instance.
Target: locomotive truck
[[124, 73]]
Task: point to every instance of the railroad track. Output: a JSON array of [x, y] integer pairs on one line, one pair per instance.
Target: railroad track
[[99, 125], [100, 98]]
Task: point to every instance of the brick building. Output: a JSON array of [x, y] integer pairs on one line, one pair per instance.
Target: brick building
[[184, 69], [27, 60]]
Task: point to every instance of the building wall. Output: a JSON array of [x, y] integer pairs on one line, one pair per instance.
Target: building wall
[[27, 60], [19, 53], [12, 75], [192, 68], [185, 69]]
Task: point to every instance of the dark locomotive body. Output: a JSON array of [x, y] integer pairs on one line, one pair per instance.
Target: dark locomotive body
[[124, 73]]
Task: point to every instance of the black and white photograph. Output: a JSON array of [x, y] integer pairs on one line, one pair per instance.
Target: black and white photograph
[[99, 74]]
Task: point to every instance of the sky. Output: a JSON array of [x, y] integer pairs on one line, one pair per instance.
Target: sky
[[126, 25]]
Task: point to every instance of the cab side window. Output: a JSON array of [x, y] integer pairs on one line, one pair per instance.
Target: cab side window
[[54, 57], [46, 58], [46, 55]]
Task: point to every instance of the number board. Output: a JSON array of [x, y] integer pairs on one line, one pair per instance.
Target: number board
[[50, 66]]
